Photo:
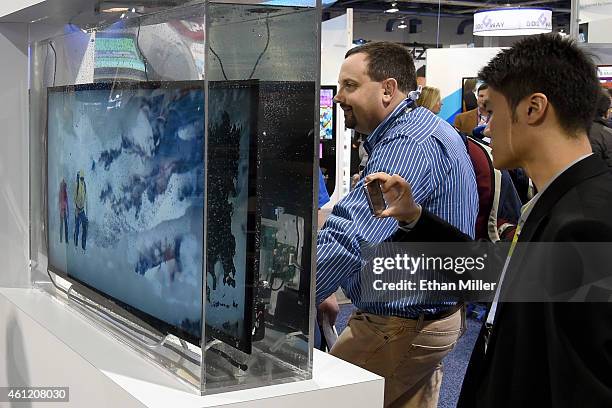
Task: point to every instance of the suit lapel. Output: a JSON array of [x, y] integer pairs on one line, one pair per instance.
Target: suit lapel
[[579, 172]]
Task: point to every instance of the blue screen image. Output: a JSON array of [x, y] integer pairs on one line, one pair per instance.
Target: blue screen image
[[125, 195]]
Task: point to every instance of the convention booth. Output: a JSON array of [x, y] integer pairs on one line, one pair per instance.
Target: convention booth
[[448, 69], [335, 147]]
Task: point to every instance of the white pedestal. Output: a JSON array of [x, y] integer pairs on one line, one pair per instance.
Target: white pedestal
[[43, 343]]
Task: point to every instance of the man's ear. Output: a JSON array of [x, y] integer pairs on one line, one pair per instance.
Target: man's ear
[[389, 87], [536, 108]]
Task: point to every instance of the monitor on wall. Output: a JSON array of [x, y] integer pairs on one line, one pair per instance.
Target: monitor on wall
[[125, 194], [118, 57], [604, 73], [327, 112]]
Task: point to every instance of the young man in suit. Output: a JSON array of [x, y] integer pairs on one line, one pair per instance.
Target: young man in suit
[[467, 121], [547, 352]]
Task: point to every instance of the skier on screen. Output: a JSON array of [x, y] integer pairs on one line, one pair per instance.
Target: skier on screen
[[63, 208], [80, 213]]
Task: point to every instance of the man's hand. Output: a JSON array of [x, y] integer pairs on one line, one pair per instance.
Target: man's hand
[[330, 309], [398, 195]]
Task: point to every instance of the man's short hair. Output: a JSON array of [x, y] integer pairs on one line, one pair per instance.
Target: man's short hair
[[388, 60], [553, 66], [603, 104], [482, 87]]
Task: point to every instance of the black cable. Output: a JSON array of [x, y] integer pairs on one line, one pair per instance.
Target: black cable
[[54, 61], [297, 231], [265, 48], [229, 359], [46, 60], [144, 59], [258, 58], [220, 62], [279, 288]]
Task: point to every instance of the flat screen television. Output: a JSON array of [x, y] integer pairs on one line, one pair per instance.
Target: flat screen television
[[604, 72], [125, 199], [327, 112]]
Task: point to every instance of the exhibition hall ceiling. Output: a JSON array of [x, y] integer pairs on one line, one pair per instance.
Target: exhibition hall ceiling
[[448, 7]]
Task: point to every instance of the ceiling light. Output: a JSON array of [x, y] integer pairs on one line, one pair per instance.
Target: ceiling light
[[393, 8], [402, 24], [115, 10]]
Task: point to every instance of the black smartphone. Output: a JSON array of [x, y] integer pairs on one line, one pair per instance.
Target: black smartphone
[[375, 197]]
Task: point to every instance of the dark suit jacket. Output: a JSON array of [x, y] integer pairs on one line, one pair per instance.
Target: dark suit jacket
[[600, 136], [467, 121], [546, 354]]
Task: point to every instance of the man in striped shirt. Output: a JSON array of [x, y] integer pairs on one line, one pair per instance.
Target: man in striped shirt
[[405, 339]]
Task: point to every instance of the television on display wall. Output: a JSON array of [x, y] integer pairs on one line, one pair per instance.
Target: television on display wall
[[327, 113]]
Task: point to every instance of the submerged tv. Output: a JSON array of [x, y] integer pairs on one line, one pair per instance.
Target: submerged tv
[[125, 194]]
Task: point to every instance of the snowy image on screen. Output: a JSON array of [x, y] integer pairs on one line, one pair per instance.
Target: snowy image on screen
[[125, 195]]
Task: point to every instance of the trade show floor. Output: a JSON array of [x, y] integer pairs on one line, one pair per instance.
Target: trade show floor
[[455, 363]]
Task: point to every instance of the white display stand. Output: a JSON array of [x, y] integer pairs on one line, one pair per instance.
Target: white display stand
[[44, 343]]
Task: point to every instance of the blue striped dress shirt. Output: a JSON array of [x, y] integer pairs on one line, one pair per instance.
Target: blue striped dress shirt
[[428, 153]]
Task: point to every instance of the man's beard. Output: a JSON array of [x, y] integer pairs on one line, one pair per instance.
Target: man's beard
[[349, 121]]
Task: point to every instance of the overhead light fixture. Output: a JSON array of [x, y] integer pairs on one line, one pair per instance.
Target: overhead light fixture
[[512, 21], [392, 9], [115, 10], [402, 25]]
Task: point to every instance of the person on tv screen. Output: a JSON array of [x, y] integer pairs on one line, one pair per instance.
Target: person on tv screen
[[80, 213], [63, 207]]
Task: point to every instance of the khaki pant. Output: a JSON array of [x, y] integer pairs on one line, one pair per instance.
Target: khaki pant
[[407, 353]]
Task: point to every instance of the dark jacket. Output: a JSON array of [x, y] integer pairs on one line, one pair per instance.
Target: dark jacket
[[546, 354], [600, 137]]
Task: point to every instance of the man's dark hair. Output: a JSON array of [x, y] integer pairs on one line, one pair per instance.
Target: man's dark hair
[[482, 87], [603, 104], [421, 71], [388, 60], [553, 66]]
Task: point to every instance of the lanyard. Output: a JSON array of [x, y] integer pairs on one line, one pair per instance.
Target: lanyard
[[525, 210]]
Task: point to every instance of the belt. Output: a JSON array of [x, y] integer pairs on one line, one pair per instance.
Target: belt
[[446, 312], [443, 313]]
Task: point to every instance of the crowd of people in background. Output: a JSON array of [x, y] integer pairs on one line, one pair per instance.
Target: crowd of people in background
[[522, 163]]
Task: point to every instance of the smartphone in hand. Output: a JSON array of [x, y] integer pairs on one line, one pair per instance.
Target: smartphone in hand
[[375, 197]]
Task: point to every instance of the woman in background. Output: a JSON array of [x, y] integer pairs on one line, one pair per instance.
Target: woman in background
[[430, 99]]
